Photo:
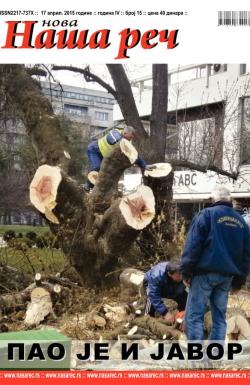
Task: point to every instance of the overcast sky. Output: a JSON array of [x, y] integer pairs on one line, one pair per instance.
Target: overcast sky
[[74, 79]]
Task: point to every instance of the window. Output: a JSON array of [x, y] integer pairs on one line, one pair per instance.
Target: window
[[72, 109], [53, 93], [245, 131], [101, 115], [17, 158], [244, 68]]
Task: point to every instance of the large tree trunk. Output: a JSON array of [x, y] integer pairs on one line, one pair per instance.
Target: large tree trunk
[[95, 229], [157, 237], [158, 119]]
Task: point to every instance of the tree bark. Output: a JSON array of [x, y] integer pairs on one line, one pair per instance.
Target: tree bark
[[41, 123], [158, 118], [156, 327], [126, 100], [94, 230]]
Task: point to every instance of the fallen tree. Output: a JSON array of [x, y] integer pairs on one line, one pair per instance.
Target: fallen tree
[[95, 230], [107, 225]]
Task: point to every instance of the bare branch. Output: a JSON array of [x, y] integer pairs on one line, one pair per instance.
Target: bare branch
[[197, 167], [88, 76], [52, 77], [36, 71]]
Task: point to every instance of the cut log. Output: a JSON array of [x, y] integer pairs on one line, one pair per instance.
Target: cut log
[[61, 281], [67, 154], [11, 302], [115, 313], [43, 190], [94, 320], [113, 334], [100, 322], [239, 326], [134, 337], [121, 157], [132, 279], [38, 279], [138, 209], [39, 307], [159, 170], [114, 232], [133, 330], [92, 177], [156, 327], [129, 150], [57, 288]]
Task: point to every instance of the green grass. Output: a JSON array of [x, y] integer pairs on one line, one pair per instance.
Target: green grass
[[40, 230], [46, 260], [33, 260]]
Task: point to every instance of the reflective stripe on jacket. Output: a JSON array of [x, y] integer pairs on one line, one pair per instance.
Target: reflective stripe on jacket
[[106, 143]]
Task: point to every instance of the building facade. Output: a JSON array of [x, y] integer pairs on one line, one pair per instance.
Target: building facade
[[89, 112], [91, 108], [209, 119]]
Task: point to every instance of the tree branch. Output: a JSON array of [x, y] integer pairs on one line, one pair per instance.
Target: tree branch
[[36, 71], [122, 93], [121, 157], [126, 100], [197, 167], [88, 76]]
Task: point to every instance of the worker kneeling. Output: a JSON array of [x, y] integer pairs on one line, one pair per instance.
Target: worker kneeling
[[99, 149], [164, 281]]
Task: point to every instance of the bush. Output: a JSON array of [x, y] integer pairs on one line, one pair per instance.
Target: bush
[[41, 242], [32, 236], [47, 240], [20, 243], [51, 240], [8, 235]]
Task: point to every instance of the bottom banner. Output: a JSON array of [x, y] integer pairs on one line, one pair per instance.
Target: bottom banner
[[129, 377]]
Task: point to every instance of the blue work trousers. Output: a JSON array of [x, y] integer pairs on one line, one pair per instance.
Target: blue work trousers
[[213, 289], [94, 155]]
